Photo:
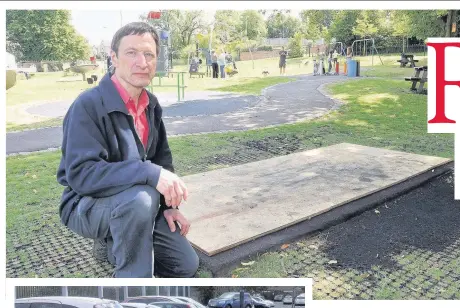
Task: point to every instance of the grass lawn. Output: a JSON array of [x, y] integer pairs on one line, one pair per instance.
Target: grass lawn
[[378, 112], [243, 85], [50, 87]]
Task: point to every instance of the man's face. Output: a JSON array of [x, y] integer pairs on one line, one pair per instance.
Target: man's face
[[137, 59]]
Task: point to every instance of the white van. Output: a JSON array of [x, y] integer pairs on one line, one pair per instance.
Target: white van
[[65, 302]]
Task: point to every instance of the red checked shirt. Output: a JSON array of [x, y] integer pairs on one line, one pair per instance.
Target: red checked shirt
[[139, 115]]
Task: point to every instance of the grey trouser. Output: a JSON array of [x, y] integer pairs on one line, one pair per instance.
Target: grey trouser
[[136, 231]]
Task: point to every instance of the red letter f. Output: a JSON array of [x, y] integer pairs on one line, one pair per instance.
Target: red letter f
[[441, 82]]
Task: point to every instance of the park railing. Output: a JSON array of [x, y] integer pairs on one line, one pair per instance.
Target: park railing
[[410, 49], [117, 293]]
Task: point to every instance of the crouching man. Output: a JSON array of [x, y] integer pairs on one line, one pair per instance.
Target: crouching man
[[117, 170]]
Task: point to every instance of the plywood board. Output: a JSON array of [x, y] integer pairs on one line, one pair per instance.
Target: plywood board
[[231, 206]]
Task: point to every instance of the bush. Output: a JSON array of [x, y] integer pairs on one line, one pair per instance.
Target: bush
[[295, 46], [265, 48]]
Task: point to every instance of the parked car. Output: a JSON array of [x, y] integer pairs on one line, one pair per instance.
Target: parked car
[[270, 303], [190, 301], [278, 298], [137, 305], [151, 299], [287, 299], [171, 305], [231, 300], [261, 302], [65, 302], [300, 300]]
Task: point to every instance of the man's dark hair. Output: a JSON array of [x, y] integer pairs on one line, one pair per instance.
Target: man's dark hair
[[135, 28]]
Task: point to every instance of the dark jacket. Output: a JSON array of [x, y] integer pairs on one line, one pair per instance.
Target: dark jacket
[[102, 154]]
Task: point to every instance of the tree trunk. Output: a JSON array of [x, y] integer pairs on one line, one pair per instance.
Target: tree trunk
[[450, 20], [457, 24]]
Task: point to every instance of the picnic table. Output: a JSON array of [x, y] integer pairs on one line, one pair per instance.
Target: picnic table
[[405, 59], [421, 80]]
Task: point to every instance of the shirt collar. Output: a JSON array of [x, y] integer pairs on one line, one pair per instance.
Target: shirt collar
[[143, 98], [113, 101]]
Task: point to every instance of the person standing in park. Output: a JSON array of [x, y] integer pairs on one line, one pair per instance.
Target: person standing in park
[[221, 62], [109, 62], [335, 57], [215, 66], [117, 168], [282, 63]]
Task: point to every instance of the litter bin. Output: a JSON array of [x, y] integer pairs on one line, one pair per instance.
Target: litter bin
[[353, 68]]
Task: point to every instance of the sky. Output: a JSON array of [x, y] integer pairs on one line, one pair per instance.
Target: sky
[[109, 21]]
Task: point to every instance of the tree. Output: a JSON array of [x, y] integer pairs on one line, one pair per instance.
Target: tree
[[13, 48], [45, 35], [315, 23], [295, 46], [252, 25], [419, 23], [281, 25], [205, 293], [342, 26], [452, 18], [365, 25], [182, 24], [227, 26]]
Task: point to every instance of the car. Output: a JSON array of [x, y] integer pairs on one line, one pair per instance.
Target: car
[[137, 305], [263, 302], [231, 300], [300, 300], [259, 302], [287, 299], [278, 298], [190, 301], [270, 303], [151, 299], [171, 305], [65, 302]]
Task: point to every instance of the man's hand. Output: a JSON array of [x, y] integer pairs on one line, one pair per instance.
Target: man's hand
[[173, 215], [172, 188]]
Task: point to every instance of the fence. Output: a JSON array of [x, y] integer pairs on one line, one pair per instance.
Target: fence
[[285, 41], [421, 48], [119, 293], [116, 293]]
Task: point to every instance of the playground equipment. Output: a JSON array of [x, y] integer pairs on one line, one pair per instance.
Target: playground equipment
[[360, 43], [83, 69], [318, 66], [341, 49], [195, 65], [10, 70], [10, 78], [165, 43]]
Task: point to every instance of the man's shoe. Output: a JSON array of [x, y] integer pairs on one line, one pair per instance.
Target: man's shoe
[[100, 250]]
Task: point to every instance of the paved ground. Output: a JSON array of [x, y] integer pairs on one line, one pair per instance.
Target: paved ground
[[280, 104], [59, 109]]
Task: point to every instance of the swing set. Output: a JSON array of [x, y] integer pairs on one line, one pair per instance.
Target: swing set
[[359, 50]]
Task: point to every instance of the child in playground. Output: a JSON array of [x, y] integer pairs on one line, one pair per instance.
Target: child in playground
[[230, 67]]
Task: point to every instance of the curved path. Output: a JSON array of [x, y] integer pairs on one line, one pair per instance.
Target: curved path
[[280, 104]]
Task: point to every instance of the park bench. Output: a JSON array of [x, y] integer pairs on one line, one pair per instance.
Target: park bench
[[405, 59], [199, 74], [421, 80]]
